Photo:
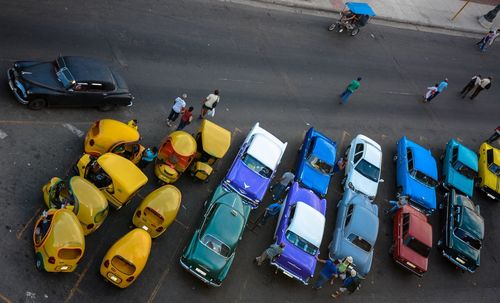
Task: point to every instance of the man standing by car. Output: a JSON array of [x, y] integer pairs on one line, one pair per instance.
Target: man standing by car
[[278, 188], [328, 272], [209, 103], [270, 253], [177, 108]]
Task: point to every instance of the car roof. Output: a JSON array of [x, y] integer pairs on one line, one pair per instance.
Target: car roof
[[419, 226], [226, 224], [423, 159], [471, 221], [324, 149], [364, 222], [88, 69], [466, 155], [266, 150], [308, 223], [372, 155], [496, 152]]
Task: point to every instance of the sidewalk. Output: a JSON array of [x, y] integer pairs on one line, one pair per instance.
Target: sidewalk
[[429, 13]]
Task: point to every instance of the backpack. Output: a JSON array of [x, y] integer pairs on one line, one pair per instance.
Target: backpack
[[354, 285], [488, 86]]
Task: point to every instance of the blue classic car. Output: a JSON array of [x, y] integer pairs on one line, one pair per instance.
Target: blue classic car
[[460, 166], [316, 162], [300, 226], [255, 165], [416, 174], [356, 230]]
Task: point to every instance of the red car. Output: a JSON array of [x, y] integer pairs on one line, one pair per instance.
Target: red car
[[412, 240]]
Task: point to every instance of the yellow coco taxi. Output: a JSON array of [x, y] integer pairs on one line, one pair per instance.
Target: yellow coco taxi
[[126, 259], [213, 143], [175, 154], [489, 171], [82, 197], [59, 241], [158, 210], [118, 178], [113, 136]]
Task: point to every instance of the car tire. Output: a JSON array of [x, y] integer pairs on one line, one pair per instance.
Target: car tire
[[395, 158], [105, 107], [332, 27], [354, 31], [37, 104]]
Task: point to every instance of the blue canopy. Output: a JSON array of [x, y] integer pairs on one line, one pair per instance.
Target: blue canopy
[[360, 8]]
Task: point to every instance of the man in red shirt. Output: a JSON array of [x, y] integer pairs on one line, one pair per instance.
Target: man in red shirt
[[186, 118]]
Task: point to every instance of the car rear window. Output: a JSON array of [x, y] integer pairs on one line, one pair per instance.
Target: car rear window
[[216, 245], [467, 238], [301, 243], [360, 242], [153, 216], [368, 170], [257, 166], [320, 165], [417, 246], [69, 253], [423, 178], [464, 170], [123, 265]]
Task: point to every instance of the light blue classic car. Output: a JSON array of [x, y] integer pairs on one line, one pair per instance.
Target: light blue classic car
[[460, 166], [356, 230]]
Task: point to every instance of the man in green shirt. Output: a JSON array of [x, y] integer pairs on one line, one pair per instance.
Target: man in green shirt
[[354, 85]]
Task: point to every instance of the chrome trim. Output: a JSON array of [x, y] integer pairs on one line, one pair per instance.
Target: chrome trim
[[289, 274], [13, 87], [194, 273], [452, 259]]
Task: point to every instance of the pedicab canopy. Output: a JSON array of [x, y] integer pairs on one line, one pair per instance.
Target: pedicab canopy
[[360, 8], [215, 139], [65, 235], [134, 247], [105, 134], [91, 207], [182, 144]]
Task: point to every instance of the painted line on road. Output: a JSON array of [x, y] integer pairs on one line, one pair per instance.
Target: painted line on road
[[73, 129], [400, 93], [20, 232], [4, 299], [182, 224], [3, 134]]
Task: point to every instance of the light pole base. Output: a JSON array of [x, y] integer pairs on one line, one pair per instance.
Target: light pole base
[[485, 23]]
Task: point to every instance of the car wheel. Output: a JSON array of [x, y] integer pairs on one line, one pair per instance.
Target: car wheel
[[355, 31], [332, 27], [37, 104], [395, 158], [105, 107], [39, 262]]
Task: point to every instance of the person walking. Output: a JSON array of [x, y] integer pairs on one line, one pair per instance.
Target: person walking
[[402, 201], [186, 118], [484, 41], [148, 156], [350, 284], [430, 92], [278, 188], [270, 253], [483, 84], [209, 103], [177, 108], [495, 136], [473, 83], [328, 272], [271, 211], [354, 85], [441, 87]]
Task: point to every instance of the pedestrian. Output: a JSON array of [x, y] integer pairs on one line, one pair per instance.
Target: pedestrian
[[493, 38], [270, 253], [487, 40], [177, 108], [354, 85], [186, 118], [209, 103], [343, 265], [430, 92], [473, 83], [350, 284], [483, 84], [278, 188], [148, 156], [340, 165], [271, 211], [441, 87], [328, 272], [402, 201], [495, 136]]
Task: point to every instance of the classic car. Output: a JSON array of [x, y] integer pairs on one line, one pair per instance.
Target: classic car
[[300, 226], [68, 81], [356, 230], [212, 248], [416, 174], [489, 171], [462, 233], [255, 165], [412, 239], [316, 162], [460, 166], [364, 162]]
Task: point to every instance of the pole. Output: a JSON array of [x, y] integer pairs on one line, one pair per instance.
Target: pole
[[460, 10]]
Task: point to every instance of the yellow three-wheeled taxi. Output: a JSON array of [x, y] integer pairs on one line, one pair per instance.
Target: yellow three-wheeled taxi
[[175, 154]]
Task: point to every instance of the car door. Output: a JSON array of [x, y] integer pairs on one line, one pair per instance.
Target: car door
[[354, 160], [95, 95]]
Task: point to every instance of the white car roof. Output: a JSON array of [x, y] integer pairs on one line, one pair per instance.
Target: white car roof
[[373, 155], [265, 147], [308, 223]]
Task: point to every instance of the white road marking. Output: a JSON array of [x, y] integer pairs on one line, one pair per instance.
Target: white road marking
[[73, 129], [399, 93], [3, 134]]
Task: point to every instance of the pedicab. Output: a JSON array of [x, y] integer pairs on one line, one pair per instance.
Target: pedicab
[[113, 136], [86, 201], [158, 210], [126, 259], [118, 178], [354, 16], [213, 143], [58, 240], [175, 154]]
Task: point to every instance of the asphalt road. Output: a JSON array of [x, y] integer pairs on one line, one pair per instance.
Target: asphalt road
[[282, 69]]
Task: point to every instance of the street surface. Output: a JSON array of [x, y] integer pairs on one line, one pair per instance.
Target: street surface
[[284, 70]]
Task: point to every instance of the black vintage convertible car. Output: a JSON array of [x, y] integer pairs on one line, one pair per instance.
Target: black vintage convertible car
[[68, 81]]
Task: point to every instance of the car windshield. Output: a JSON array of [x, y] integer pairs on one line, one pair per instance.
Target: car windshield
[[494, 169], [301, 243], [216, 245], [360, 242], [320, 165], [467, 238], [423, 178], [417, 246], [368, 170], [464, 170], [65, 77], [257, 166]]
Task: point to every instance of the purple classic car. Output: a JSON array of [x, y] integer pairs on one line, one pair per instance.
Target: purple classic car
[[255, 165], [300, 226]]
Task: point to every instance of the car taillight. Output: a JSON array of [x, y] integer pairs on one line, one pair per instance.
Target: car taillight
[[138, 213], [90, 226], [159, 229], [52, 260], [106, 263], [91, 142], [130, 279]]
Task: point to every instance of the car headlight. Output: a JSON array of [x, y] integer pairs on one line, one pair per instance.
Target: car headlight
[[28, 91], [351, 186]]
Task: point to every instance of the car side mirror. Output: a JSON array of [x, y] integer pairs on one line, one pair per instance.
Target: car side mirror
[[381, 181]]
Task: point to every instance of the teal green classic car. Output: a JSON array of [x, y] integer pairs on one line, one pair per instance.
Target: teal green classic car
[[211, 251]]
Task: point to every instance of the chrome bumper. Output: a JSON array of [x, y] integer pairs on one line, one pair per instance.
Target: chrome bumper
[[13, 86]]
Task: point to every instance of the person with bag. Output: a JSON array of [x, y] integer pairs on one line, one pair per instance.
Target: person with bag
[[350, 284], [177, 108], [473, 83], [483, 84], [209, 104]]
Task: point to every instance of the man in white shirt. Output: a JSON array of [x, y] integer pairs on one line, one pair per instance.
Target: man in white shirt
[[483, 84], [473, 83], [209, 103], [177, 108]]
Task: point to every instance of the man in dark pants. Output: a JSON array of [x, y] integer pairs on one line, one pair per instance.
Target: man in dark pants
[[474, 82], [484, 84], [495, 136]]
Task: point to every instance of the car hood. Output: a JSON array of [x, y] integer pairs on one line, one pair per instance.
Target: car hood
[[39, 74], [464, 249], [460, 182], [422, 195], [247, 182], [362, 184], [313, 179], [362, 259], [296, 261]]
